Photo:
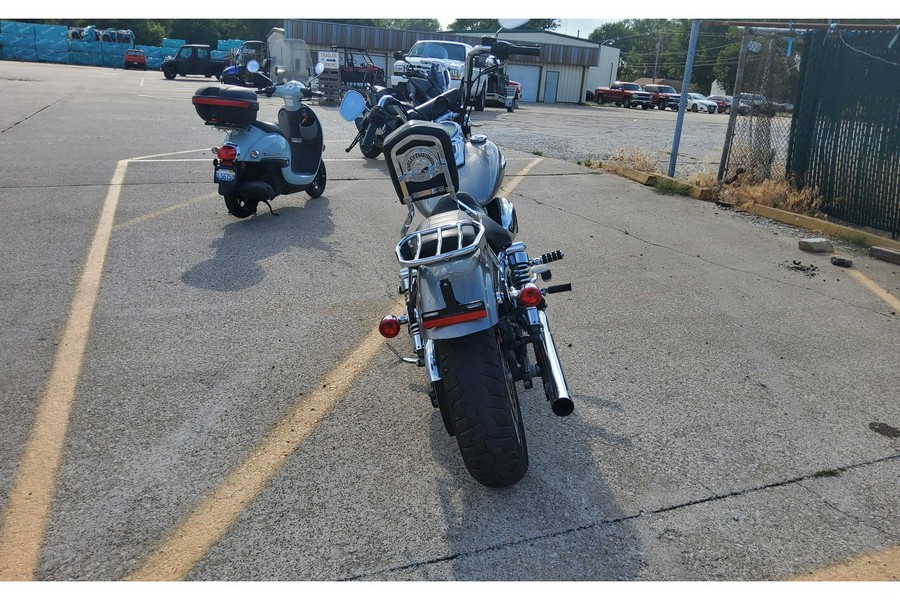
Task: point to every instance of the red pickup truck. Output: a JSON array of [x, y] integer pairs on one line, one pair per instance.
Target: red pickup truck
[[624, 94], [663, 96]]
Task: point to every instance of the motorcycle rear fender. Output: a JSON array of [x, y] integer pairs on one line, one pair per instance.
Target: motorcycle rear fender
[[472, 278]]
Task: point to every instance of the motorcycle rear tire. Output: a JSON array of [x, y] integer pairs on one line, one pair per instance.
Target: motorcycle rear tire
[[238, 206], [483, 406]]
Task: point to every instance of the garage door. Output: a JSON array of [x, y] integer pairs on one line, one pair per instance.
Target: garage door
[[529, 76]]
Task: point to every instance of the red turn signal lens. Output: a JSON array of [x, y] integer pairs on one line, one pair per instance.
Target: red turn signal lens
[[227, 153], [531, 295], [389, 326]]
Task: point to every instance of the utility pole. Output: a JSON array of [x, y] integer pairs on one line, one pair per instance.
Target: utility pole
[[685, 87], [658, 44]]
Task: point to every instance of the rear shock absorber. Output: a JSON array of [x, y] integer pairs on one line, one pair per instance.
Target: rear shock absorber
[[520, 267]]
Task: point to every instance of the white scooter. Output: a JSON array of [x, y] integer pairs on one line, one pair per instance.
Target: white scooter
[[259, 160]]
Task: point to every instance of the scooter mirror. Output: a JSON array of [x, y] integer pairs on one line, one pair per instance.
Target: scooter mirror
[[512, 23], [352, 106], [253, 66], [319, 68], [399, 55]]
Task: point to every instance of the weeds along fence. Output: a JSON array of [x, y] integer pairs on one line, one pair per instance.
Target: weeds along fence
[[845, 140]]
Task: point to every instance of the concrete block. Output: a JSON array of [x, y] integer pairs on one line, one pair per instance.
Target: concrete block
[[888, 254], [816, 245]]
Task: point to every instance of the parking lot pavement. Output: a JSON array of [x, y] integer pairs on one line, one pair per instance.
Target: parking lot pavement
[[581, 132], [734, 417]]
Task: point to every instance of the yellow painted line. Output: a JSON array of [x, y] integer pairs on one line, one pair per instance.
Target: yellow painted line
[[876, 566], [216, 513], [874, 287], [26, 515], [515, 181], [209, 521], [162, 211]]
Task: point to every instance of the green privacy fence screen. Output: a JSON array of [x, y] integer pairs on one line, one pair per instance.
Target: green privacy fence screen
[[845, 135]]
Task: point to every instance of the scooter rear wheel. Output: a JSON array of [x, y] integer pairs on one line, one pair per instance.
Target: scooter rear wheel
[[238, 206], [317, 187]]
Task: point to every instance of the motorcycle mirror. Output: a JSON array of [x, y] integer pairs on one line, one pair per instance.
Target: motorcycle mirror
[[253, 66], [399, 55], [352, 105], [319, 68], [512, 23]]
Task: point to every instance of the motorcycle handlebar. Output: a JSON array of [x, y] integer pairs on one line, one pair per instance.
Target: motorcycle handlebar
[[505, 48]]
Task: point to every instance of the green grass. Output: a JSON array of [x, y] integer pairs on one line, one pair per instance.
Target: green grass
[[671, 188], [856, 238]]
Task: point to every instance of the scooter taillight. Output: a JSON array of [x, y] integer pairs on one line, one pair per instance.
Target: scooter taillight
[[227, 154]]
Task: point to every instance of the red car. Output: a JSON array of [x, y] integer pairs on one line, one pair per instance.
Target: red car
[[136, 59]]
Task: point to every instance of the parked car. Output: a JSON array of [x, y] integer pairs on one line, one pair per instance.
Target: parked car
[[758, 105], [193, 59], [624, 93], [698, 102], [663, 96], [135, 58], [723, 103]]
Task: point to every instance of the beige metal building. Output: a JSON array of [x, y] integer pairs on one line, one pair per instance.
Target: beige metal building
[[566, 69]]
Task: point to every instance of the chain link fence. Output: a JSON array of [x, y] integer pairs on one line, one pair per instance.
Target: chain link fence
[[762, 129]]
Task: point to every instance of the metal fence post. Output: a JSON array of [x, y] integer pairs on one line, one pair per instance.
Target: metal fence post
[[682, 103], [735, 105]]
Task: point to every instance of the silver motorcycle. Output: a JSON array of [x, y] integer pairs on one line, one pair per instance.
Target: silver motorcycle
[[475, 314]]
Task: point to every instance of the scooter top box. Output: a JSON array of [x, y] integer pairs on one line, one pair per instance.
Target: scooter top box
[[226, 105]]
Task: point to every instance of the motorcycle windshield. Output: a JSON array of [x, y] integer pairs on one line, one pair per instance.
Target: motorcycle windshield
[[293, 61]]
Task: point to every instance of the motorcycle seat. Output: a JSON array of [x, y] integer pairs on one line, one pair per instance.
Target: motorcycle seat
[[446, 211], [268, 127]]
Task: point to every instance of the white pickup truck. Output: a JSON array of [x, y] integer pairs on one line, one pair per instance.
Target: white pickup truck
[[449, 55]]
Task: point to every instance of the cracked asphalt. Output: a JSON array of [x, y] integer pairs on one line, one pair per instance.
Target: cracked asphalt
[[232, 418]]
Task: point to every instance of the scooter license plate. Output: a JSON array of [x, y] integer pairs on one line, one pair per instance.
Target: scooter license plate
[[224, 175]]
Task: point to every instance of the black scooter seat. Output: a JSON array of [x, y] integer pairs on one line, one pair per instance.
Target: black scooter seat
[[268, 127]]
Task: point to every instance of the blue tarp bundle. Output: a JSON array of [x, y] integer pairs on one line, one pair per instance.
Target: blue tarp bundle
[[51, 32], [16, 28], [86, 59], [228, 45], [17, 46]]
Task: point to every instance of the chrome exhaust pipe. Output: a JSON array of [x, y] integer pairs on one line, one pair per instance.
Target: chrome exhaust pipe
[[554, 381]]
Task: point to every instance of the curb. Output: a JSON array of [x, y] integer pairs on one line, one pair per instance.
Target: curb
[[814, 224], [876, 242], [652, 179]]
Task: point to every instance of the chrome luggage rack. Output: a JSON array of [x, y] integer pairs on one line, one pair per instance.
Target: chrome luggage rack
[[427, 245]]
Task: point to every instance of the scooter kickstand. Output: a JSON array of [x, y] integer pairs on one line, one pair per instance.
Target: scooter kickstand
[[270, 208]]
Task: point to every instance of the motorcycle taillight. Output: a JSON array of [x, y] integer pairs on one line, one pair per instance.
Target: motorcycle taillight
[[227, 153]]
